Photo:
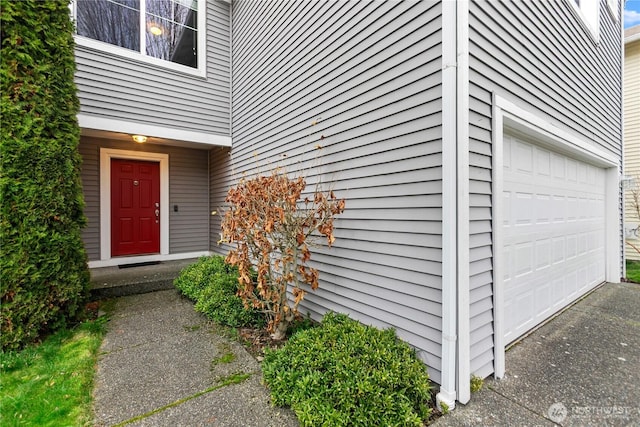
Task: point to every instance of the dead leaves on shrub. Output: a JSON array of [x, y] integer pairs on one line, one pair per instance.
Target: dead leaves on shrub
[[271, 228]]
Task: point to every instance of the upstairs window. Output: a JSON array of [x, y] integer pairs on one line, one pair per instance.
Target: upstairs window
[[167, 30], [589, 13]]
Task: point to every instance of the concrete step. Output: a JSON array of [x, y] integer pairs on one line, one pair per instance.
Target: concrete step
[[110, 282]]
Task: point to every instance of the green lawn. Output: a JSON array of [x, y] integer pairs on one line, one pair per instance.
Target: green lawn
[[633, 271], [51, 384]]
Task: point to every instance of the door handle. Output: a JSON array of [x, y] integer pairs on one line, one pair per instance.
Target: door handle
[[157, 213]]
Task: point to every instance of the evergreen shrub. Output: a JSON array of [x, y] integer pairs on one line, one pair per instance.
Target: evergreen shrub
[[213, 285], [344, 373], [42, 260]]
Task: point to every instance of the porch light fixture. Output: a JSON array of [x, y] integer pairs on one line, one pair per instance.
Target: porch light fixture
[[155, 30], [140, 139]]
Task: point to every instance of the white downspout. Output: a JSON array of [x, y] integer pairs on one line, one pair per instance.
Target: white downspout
[[462, 95], [447, 394]]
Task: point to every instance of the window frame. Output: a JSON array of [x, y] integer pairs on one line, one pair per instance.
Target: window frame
[[614, 6], [200, 71], [583, 17]]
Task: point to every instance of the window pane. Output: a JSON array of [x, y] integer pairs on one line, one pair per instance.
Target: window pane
[[171, 32], [115, 22]]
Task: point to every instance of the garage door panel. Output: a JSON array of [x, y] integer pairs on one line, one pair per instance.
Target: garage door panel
[[553, 232]]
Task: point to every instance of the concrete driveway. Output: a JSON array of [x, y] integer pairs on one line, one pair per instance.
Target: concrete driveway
[[580, 369]]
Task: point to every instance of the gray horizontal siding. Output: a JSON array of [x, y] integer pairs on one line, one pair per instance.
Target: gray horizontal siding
[[539, 56], [124, 89], [219, 176], [90, 175], [369, 74], [188, 189]]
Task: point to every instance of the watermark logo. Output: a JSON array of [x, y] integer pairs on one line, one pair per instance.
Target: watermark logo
[[602, 411], [557, 412]]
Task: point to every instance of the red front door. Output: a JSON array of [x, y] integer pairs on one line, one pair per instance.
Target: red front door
[[135, 207]]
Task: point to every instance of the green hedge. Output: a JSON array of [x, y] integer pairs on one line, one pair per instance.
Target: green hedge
[[344, 373], [213, 285], [42, 259]]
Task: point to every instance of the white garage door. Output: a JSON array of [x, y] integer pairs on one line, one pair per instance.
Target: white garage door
[[553, 233]]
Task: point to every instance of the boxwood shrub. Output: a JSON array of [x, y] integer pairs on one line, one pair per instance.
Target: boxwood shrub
[[344, 373], [213, 284], [42, 259]]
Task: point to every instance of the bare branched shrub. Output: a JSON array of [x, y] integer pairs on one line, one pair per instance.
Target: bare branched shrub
[[272, 229]]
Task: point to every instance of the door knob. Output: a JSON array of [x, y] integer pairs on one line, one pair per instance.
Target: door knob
[[157, 213]]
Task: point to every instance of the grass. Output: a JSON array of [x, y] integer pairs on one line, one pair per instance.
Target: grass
[[51, 384], [633, 271]]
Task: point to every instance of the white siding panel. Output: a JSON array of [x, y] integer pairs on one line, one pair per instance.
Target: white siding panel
[[368, 74]]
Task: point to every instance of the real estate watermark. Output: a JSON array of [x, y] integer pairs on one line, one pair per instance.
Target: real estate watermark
[[558, 412]]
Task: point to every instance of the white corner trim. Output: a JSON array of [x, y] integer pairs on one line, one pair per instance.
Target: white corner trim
[[106, 154], [88, 121], [146, 258], [462, 123], [447, 392], [507, 115], [496, 226]]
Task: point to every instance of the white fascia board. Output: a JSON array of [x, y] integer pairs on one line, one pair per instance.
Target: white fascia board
[[88, 121], [447, 394]]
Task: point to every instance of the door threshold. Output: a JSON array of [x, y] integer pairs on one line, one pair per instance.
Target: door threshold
[[139, 264]]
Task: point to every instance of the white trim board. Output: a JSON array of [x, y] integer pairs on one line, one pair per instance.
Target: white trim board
[[515, 119], [106, 154], [87, 121], [146, 258], [519, 119]]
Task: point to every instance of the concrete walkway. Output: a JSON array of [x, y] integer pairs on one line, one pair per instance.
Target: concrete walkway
[[580, 369], [163, 364]]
